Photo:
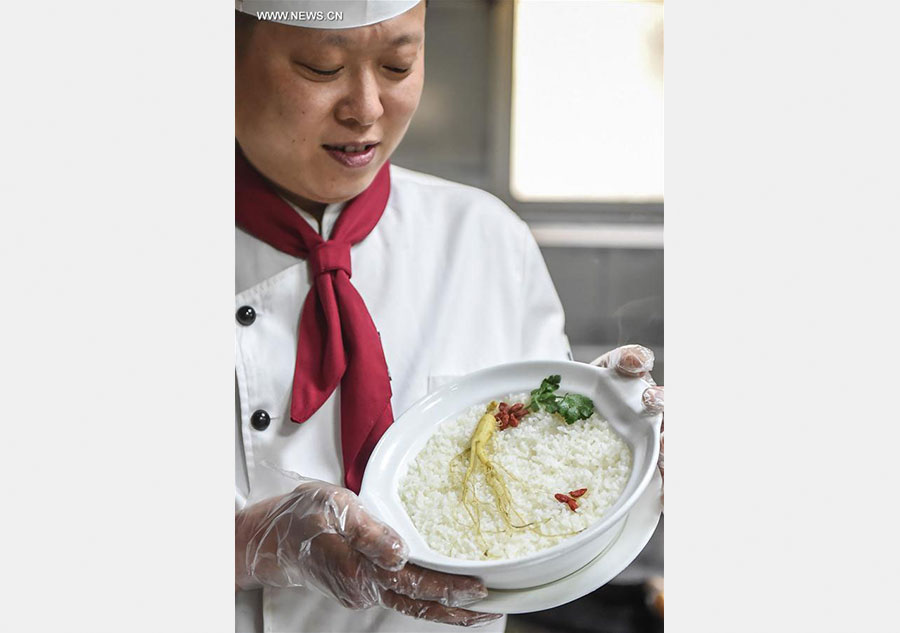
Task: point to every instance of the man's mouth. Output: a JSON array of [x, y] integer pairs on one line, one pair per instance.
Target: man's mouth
[[352, 155], [358, 148]]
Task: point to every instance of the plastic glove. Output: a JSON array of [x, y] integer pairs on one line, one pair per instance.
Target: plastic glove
[[636, 361], [320, 536]]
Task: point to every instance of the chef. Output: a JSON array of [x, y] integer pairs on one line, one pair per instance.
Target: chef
[[360, 287]]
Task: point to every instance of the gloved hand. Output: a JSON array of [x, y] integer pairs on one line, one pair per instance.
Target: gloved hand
[[319, 536], [636, 361]]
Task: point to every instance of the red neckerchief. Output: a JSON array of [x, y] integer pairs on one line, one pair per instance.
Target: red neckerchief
[[337, 340]]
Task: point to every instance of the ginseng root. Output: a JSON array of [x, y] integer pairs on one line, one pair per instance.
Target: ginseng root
[[479, 458]]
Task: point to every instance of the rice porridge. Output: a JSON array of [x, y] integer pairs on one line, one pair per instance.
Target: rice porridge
[[521, 498]]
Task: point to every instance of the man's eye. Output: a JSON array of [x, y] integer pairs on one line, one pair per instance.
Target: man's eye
[[399, 71], [319, 71]]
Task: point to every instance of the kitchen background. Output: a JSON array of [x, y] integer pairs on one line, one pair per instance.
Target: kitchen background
[[556, 107]]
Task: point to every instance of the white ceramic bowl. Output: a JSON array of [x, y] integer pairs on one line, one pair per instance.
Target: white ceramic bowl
[[617, 399]]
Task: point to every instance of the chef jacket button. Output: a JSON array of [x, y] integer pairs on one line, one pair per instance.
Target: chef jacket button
[[260, 420], [246, 315]]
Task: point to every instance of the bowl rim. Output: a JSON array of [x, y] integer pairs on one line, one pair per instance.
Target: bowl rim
[[605, 523]]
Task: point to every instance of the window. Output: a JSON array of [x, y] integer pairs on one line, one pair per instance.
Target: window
[[587, 102]]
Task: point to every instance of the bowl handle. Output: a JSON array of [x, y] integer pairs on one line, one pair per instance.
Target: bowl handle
[[631, 391]]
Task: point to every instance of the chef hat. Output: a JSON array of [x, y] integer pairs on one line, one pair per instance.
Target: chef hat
[[325, 14]]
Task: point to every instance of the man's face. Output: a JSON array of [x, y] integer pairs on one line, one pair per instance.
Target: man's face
[[305, 95]]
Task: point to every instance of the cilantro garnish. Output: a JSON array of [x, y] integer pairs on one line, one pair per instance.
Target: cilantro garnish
[[572, 406]]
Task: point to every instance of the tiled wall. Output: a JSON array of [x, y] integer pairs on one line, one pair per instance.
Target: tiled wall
[[611, 297]]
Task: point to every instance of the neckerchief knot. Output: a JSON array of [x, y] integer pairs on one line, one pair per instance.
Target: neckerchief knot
[[329, 256]]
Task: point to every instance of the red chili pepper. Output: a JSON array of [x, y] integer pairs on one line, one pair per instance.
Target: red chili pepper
[[578, 493], [561, 497], [573, 505]]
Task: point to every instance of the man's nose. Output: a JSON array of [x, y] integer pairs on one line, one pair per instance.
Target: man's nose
[[362, 103]]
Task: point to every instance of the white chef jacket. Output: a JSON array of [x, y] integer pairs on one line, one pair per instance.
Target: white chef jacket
[[454, 282]]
